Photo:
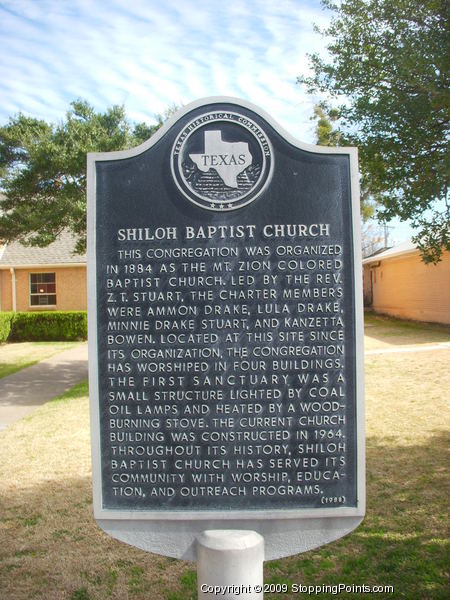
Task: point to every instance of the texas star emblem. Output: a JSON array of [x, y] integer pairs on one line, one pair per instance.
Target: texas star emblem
[[221, 161]]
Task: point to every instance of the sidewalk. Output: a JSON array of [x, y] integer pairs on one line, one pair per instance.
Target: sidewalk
[[22, 392], [414, 348]]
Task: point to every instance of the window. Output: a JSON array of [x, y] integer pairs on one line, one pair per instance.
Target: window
[[42, 289]]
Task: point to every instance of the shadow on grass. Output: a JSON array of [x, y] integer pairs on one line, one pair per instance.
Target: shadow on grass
[[52, 549], [398, 332]]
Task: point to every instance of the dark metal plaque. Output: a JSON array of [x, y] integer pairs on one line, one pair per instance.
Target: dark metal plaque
[[226, 321]]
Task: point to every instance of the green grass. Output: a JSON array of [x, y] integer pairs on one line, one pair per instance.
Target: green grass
[[81, 594], [17, 356], [383, 331], [80, 390]]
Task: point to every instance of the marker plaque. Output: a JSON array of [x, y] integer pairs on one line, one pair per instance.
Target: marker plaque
[[225, 334]]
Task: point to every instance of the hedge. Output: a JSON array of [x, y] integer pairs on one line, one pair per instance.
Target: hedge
[[5, 325], [46, 326]]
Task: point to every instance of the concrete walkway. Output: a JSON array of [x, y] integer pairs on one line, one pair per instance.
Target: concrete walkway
[[24, 391], [417, 348]]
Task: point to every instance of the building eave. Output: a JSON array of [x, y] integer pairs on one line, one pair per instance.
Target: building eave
[[381, 258], [42, 266]]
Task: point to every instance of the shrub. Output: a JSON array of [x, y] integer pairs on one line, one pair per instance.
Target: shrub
[[5, 325], [49, 326]]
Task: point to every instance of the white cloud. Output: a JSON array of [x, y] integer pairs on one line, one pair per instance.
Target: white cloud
[[149, 54]]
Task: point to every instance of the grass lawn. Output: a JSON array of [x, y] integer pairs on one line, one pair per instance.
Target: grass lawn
[[16, 356], [385, 332], [51, 548]]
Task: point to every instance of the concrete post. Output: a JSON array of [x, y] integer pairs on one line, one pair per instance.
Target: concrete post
[[230, 565]]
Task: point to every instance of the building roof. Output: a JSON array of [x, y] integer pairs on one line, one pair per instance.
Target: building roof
[[405, 248], [60, 252]]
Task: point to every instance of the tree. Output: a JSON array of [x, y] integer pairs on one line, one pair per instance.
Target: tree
[[328, 135], [43, 169], [386, 75]]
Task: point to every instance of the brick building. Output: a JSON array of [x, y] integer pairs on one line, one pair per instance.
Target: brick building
[[50, 278], [398, 283]]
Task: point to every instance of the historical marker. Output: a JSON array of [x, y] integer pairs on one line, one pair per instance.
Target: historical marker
[[225, 332]]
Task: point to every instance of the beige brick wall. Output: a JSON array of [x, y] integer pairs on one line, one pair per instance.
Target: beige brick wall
[[5, 290], [408, 288], [70, 289]]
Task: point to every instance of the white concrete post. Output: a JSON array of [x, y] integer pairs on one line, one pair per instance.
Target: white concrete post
[[230, 565]]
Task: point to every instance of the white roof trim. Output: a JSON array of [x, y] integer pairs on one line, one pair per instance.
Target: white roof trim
[[42, 266], [391, 253]]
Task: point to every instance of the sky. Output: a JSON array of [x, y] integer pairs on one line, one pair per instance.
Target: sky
[[151, 54]]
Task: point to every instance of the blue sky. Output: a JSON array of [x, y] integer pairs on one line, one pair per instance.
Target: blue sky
[[151, 54]]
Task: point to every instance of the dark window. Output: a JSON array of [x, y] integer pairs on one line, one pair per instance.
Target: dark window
[[42, 289]]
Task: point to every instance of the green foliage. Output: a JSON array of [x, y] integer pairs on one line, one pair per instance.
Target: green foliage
[[5, 325], [43, 169], [388, 67], [326, 134], [51, 326]]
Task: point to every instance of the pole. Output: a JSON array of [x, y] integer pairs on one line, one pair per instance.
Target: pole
[[230, 565]]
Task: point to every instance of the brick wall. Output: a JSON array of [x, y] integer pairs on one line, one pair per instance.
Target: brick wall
[[70, 289], [408, 288], [5, 290]]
